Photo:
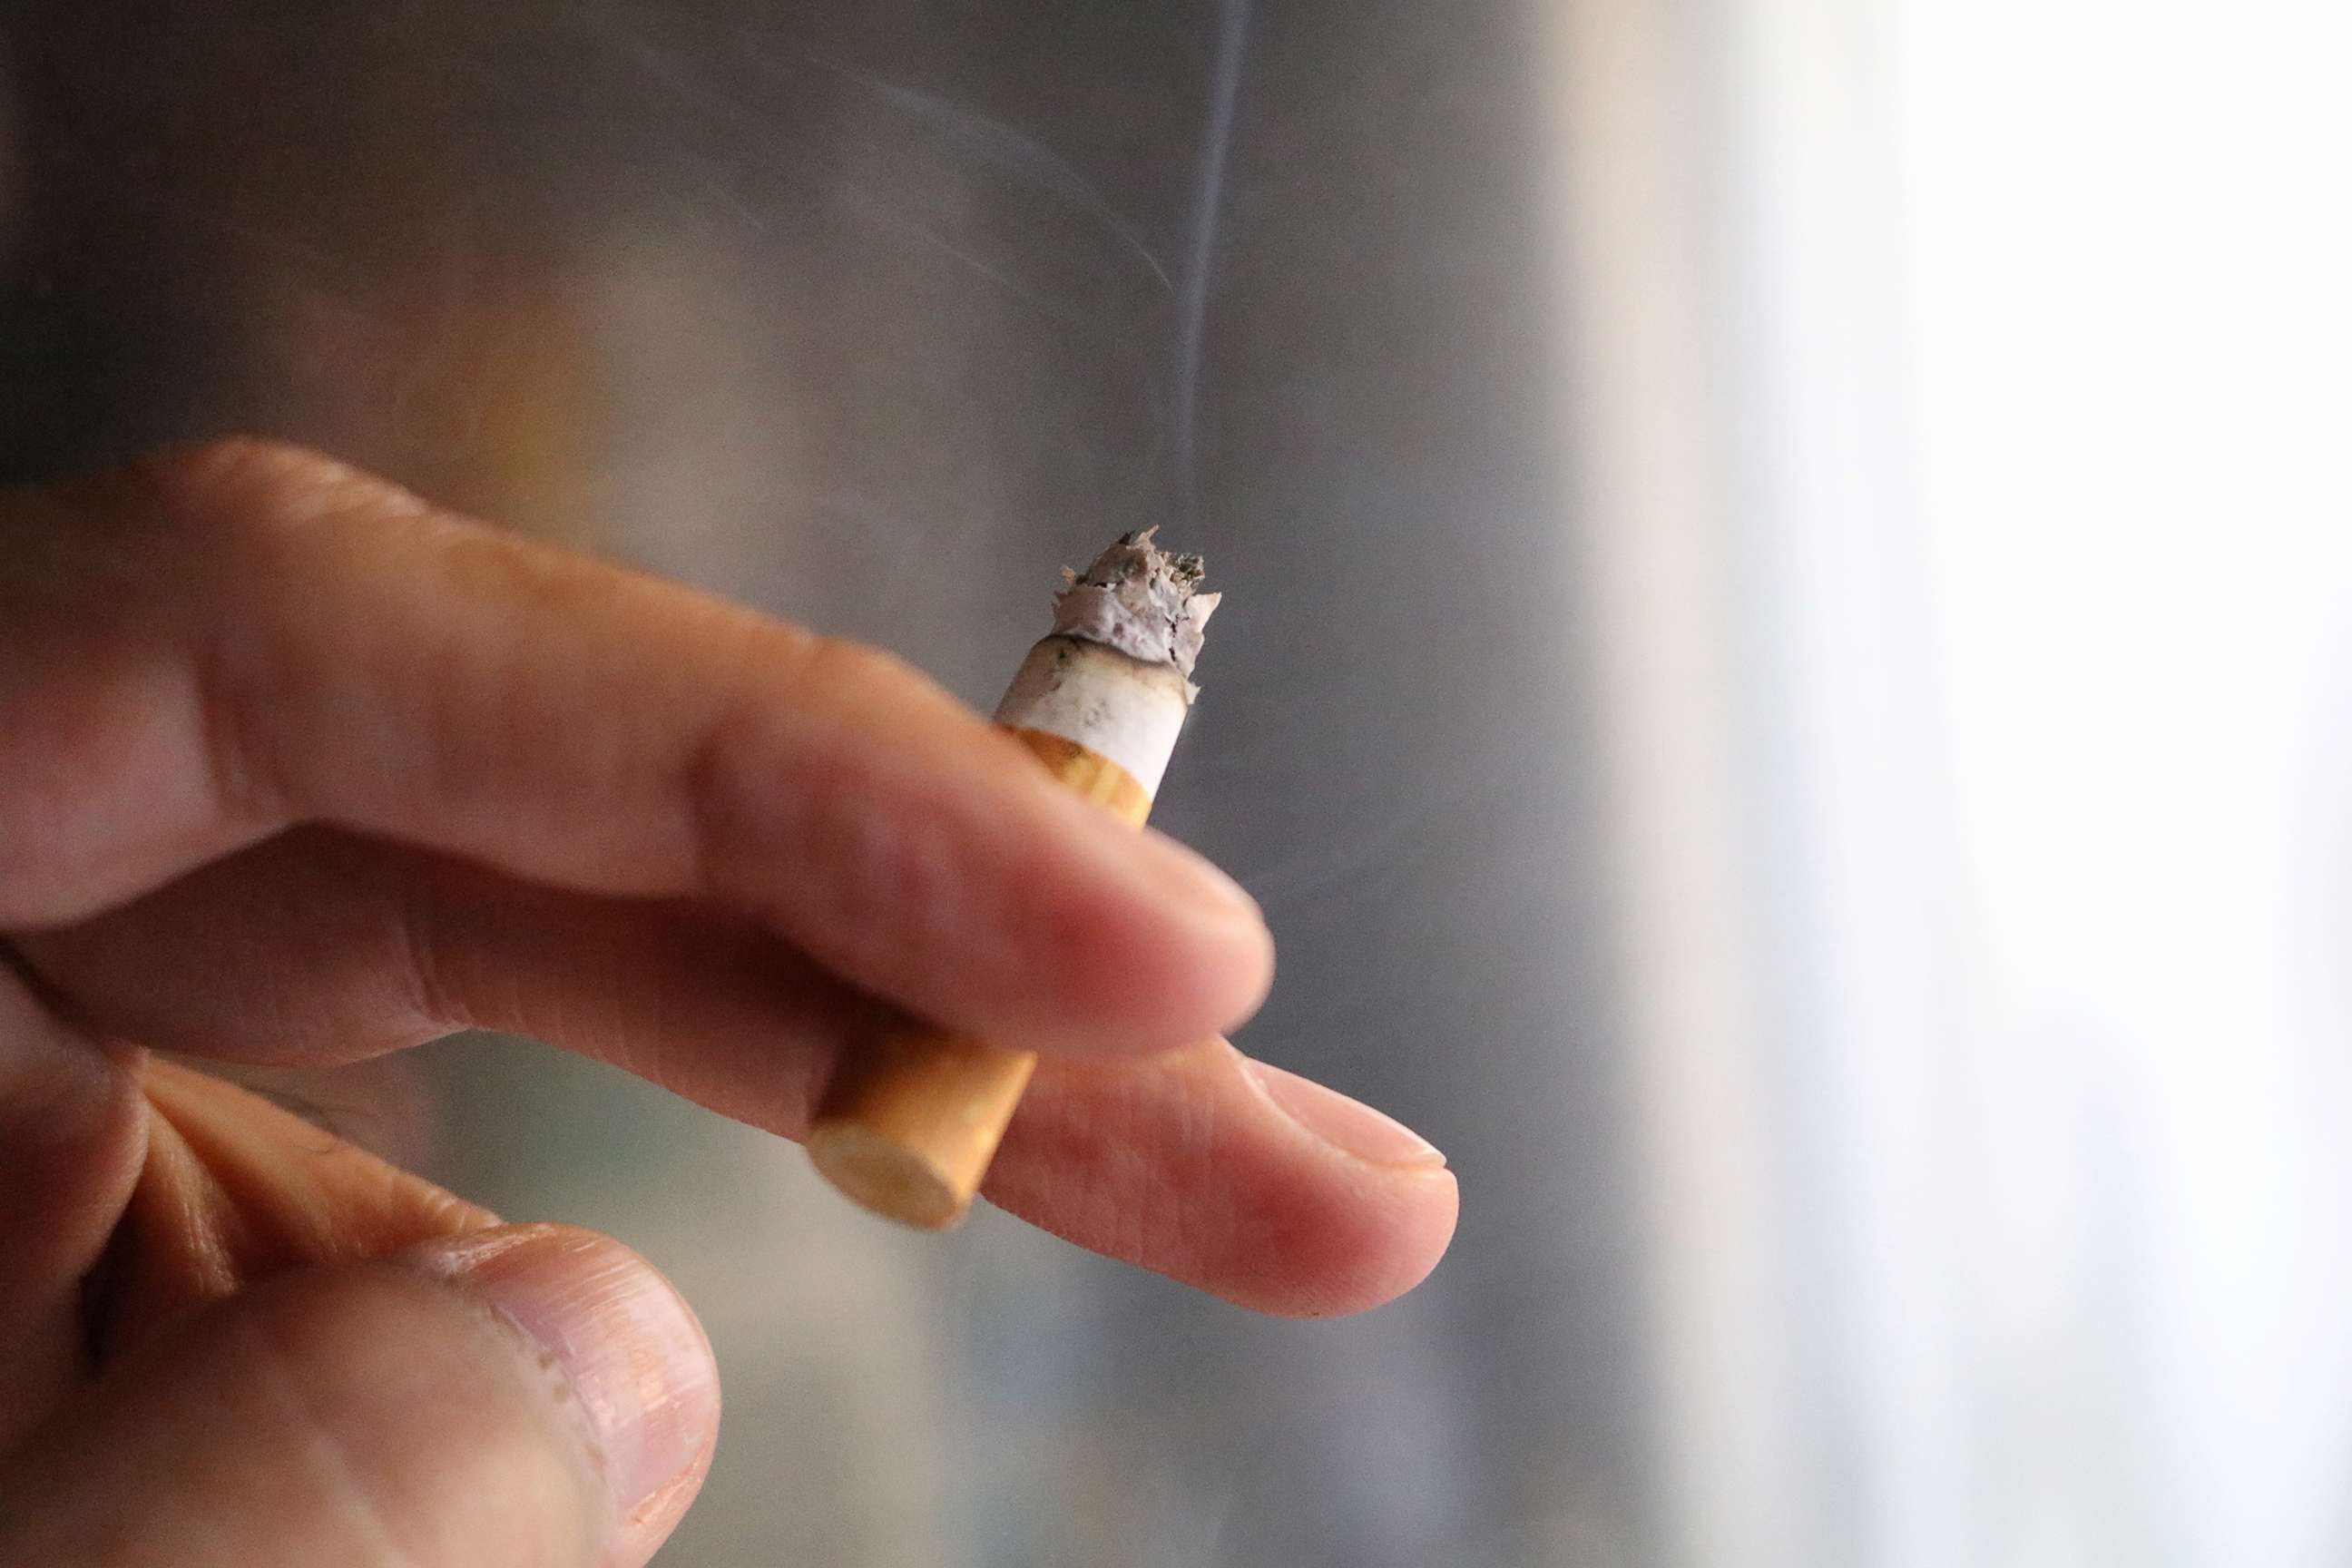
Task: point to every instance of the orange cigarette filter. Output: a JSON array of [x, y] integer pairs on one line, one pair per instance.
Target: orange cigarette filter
[[908, 1127]]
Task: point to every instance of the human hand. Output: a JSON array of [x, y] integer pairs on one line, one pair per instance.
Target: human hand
[[296, 770]]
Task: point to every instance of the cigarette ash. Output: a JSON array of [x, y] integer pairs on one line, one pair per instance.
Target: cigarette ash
[[1140, 600]]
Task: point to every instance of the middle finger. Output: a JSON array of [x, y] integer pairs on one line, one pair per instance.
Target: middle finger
[[321, 946]]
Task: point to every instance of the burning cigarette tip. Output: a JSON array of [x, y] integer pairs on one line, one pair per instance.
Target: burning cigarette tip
[[1144, 601]]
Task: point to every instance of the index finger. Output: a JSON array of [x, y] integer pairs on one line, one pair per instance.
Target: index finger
[[226, 641]]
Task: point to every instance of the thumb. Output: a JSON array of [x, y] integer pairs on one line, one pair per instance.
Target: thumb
[[528, 1395]]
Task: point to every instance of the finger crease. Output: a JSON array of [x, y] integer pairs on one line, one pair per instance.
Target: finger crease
[[435, 1003], [714, 820], [244, 786]]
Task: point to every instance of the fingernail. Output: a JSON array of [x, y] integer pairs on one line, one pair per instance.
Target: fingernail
[[634, 1355], [1349, 1125]]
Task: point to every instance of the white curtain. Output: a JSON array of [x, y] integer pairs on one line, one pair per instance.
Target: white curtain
[[1962, 398]]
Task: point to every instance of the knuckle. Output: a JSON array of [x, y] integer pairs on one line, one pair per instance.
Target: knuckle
[[259, 482], [236, 466], [804, 719], [839, 671], [253, 522]]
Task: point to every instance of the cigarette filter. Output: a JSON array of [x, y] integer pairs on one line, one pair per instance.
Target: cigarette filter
[[907, 1128]]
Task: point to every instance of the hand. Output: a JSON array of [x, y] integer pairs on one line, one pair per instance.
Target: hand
[[296, 770]]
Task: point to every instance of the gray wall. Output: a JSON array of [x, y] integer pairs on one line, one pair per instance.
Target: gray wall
[[873, 314]]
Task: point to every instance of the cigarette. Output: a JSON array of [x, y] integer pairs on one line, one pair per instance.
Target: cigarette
[[907, 1128]]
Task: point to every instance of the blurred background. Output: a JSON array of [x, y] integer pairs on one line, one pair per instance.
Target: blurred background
[[1786, 686]]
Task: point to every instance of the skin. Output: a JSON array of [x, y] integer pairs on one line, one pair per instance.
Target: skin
[[299, 771]]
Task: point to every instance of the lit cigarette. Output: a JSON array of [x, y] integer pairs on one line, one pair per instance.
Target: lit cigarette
[[907, 1128]]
